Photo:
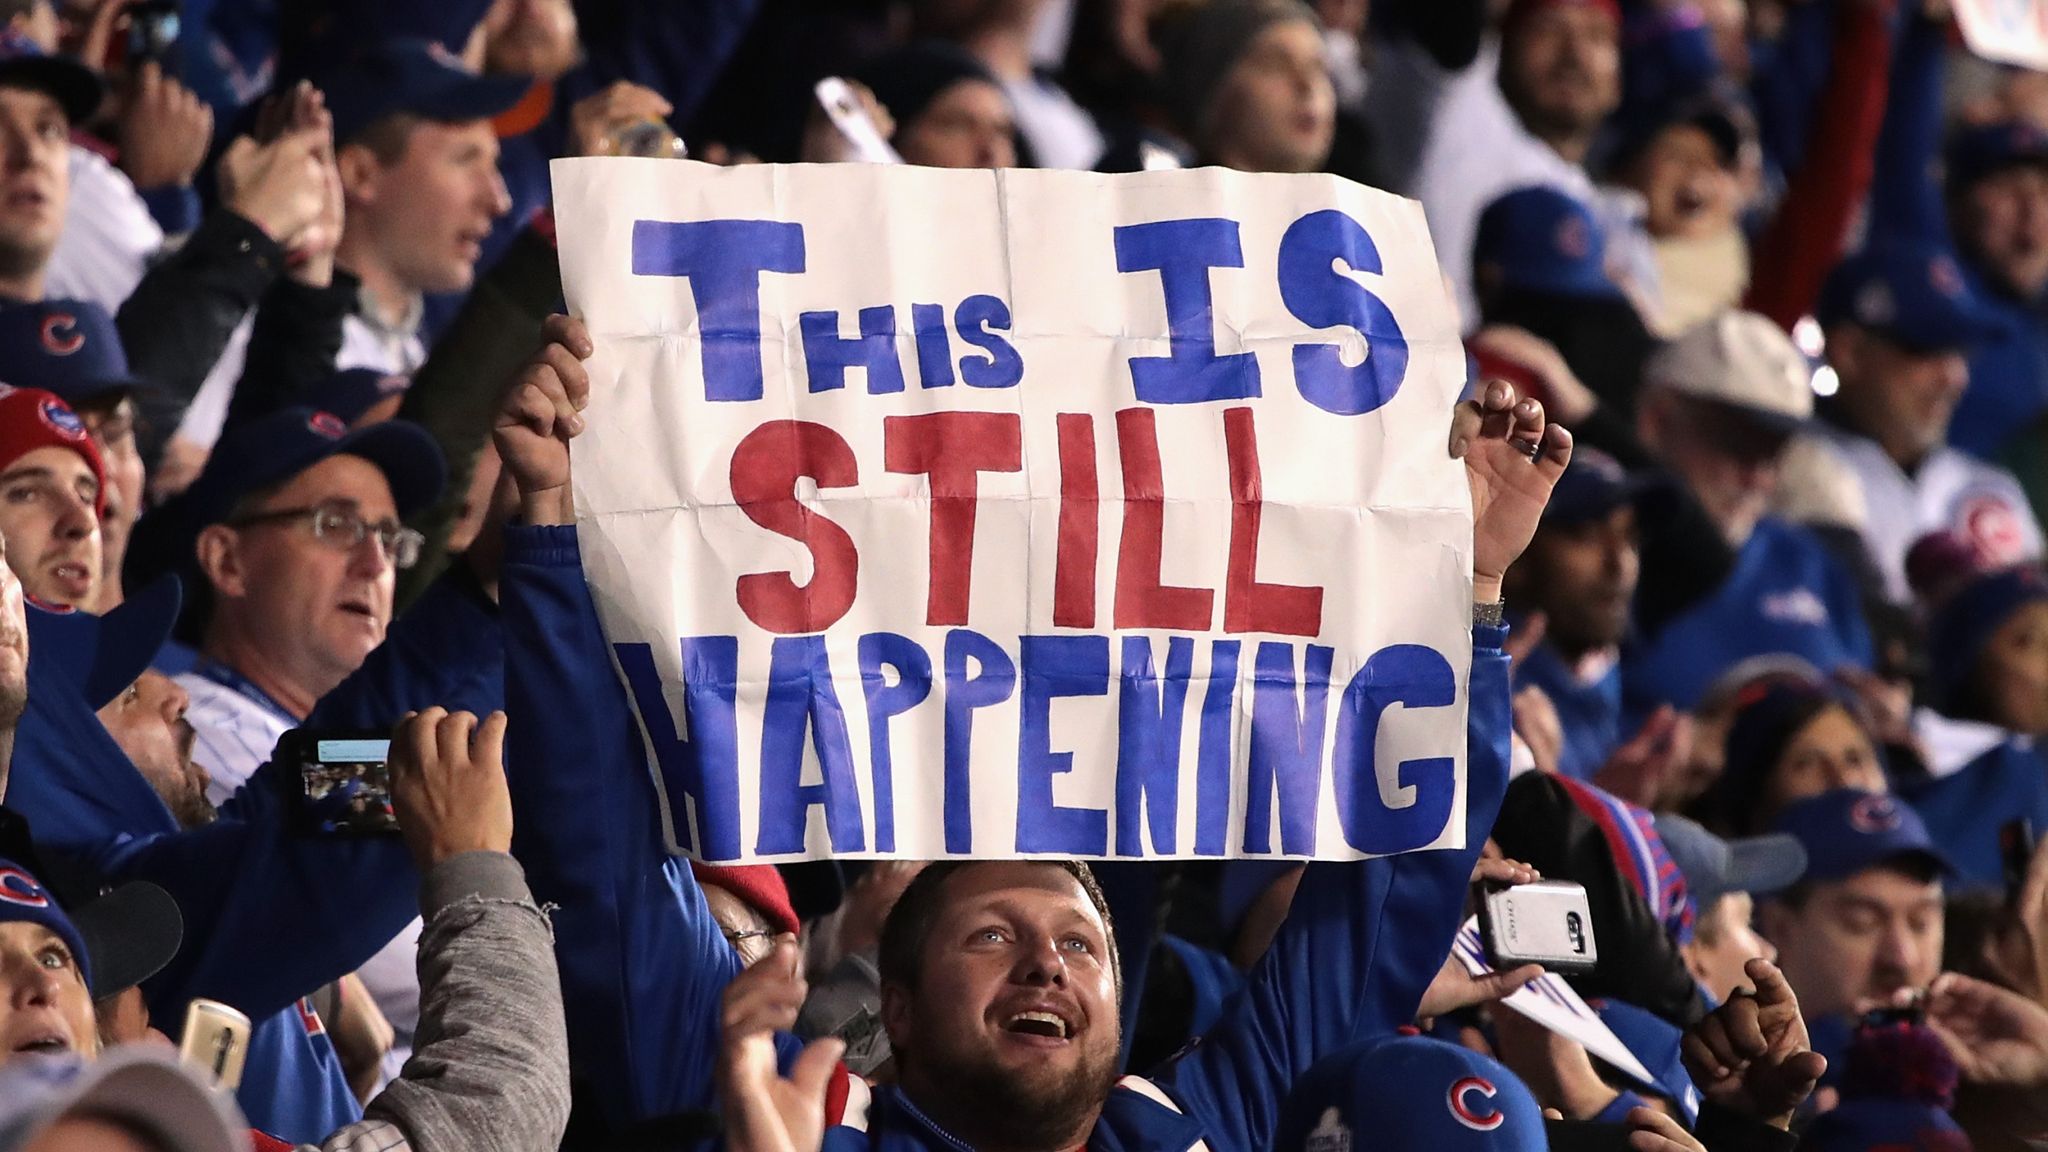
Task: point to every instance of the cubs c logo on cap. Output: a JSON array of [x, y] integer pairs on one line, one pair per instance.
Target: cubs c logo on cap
[[20, 889], [1873, 815], [1482, 1118], [1573, 240], [1994, 530], [327, 424], [1945, 276], [60, 334], [63, 420]]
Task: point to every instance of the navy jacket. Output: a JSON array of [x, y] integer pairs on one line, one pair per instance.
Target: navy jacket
[[270, 914]]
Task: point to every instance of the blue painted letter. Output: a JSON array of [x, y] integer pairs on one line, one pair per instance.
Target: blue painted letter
[[1055, 666], [1148, 743], [705, 767], [1322, 297], [723, 260], [800, 696], [1287, 748], [1416, 677], [913, 683], [1182, 252], [996, 678]]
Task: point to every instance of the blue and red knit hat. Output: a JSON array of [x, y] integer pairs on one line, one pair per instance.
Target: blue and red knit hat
[[1639, 851]]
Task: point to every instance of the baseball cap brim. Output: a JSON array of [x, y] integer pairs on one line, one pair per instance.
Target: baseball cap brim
[[451, 96], [130, 934], [74, 86], [1761, 865], [103, 655], [148, 1088], [405, 453]]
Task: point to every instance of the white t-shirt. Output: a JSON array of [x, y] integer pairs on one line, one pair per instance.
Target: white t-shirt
[[1950, 490], [109, 237], [234, 734], [1477, 151]]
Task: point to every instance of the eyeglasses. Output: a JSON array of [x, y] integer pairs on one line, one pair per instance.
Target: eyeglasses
[[733, 936], [344, 529]]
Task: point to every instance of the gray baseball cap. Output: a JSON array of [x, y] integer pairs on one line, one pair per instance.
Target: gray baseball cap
[[1714, 867], [139, 1087]]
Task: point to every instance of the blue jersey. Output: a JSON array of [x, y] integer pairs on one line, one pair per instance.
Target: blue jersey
[[1589, 712], [644, 966], [270, 914], [1787, 594], [1966, 809]]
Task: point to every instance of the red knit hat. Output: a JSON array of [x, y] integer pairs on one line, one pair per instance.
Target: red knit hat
[[759, 885], [32, 419]]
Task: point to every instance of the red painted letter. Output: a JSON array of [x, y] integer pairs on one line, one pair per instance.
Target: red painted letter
[[1073, 580], [1141, 600], [953, 448], [1249, 606], [764, 471]]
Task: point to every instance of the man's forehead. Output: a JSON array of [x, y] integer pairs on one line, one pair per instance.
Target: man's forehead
[[32, 99], [343, 478], [51, 459], [1884, 886], [1017, 881]]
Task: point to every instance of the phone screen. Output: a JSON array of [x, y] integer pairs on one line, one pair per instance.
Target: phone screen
[[347, 786]]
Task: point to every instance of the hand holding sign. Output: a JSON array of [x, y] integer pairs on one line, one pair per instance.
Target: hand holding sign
[[540, 416], [1500, 436], [938, 513]]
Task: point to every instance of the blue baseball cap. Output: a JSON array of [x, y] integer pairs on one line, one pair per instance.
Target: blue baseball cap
[[1963, 626], [1912, 293], [1980, 150], [1594, 484], [24, 64], [412, 75], [103, 655], [1410, 1094], [1714, 867], [1654, 1041], [1541, 240], [120, 938], [1848, 830], [1891, 1125], [352, 392], [66, 347], [274, 448]]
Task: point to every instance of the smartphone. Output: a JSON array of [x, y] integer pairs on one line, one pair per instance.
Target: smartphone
[[1549, 922], [2016, 852], [216, 1040], [344, 780], [854, 123], [153, 27]]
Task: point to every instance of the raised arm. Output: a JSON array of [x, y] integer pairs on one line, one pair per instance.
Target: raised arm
[[643, 963], [1364, 940]]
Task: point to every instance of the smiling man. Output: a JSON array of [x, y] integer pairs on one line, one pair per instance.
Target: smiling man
[[52, 488], [298, 541], [1902, 323]]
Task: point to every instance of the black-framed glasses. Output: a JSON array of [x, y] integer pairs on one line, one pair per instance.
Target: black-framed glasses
[[343, 529]]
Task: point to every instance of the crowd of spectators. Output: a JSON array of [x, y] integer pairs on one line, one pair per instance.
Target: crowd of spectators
[[1755, 295]]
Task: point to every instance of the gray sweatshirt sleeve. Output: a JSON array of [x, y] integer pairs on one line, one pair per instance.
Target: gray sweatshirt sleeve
[[490, 1063]]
